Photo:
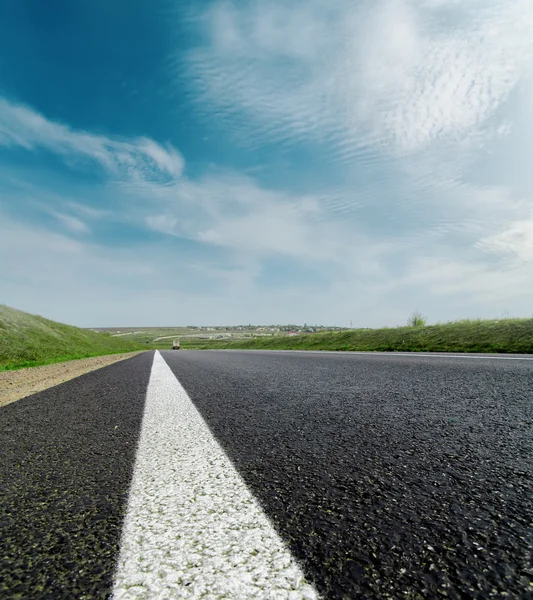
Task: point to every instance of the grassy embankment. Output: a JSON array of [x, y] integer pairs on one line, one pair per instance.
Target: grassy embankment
[[504, 335], [28, 340]]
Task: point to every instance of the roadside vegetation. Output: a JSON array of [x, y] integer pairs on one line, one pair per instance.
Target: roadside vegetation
[[28, 340], [486, 336], [417, 320]]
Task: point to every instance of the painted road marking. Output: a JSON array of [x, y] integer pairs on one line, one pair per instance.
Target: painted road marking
[[192, 528], [412, 354]]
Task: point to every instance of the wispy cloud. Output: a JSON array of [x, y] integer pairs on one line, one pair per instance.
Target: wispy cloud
[[394, 74], [133, 159], [417, 116], [472, 285], [413, 94], [87, 212], [515, 241], [71, 223], [93, 282], [234, 212]]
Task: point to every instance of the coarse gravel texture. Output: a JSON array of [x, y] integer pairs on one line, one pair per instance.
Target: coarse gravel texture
[[17, 384], [388, 476], [66, 463], [192, 529]]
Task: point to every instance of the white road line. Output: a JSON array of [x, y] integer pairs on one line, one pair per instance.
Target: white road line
[[411, 354], [469, 356], [192, 528]]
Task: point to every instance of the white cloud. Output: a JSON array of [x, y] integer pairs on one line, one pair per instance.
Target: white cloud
[[163, 223], [405, 90], [516, 240], [449, 258], [71, 223], [89, 284], [150, 285], [134, 159], [480, 284], [88, 212], [234, 212], [394, 74]]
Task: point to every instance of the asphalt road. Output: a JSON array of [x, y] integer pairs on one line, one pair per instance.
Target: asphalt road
[[386, 476], [66, 461]]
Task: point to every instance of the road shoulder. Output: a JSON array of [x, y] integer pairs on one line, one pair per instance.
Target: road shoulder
[[20, 383]]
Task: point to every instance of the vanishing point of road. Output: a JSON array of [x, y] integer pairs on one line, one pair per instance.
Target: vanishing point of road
[[218, 474]]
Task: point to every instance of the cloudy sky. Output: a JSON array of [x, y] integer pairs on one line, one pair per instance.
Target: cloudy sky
[[327, 161]]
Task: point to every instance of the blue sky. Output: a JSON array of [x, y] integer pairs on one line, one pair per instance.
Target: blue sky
[[264, 161]]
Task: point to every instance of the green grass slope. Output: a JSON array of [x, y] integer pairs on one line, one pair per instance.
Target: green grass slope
[[505, 336], [28, 340]]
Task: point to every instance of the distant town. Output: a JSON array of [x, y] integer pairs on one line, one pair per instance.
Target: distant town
[[305, 328], [213, 332]]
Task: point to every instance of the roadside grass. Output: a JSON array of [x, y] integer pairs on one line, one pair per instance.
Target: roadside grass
[[484, 336], [29, 340]]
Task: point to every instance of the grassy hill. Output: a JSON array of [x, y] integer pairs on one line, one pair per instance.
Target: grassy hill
[[504, 335], [28, 340]]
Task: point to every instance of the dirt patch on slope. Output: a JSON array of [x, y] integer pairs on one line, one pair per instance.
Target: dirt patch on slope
[[20, 383]]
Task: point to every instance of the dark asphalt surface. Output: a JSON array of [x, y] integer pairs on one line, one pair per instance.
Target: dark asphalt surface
[[66, 459], [388, 476]]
